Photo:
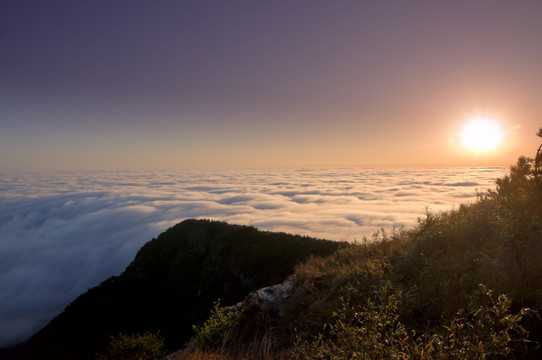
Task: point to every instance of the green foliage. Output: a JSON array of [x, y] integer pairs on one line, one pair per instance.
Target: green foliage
[[134, 347], [424, 284], [519, 186], [214, 331], [320, 283], [372, 329], [369, 328], [488, 330]]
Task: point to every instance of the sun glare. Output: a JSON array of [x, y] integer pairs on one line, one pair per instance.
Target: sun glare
[[481, 134]]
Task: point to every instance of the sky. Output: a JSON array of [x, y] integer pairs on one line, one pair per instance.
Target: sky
[[64, 232], [123, 85]]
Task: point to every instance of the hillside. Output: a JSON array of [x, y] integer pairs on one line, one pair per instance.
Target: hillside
[[170, 285], [462, 284]]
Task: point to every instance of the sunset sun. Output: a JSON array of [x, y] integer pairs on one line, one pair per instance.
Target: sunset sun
[[481, 134]]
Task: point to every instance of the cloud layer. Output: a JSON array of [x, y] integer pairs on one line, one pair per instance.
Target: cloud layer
[[62, 233]]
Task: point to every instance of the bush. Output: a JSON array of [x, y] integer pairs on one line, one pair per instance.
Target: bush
[[488, 330], [366, 330], [134, 347], [372, 329], [199, 355], [214, 331]]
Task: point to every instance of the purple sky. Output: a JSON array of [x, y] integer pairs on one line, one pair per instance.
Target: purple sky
[[176, 84]]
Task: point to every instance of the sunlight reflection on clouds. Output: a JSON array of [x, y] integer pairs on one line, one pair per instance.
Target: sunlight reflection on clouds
[[62, 233]]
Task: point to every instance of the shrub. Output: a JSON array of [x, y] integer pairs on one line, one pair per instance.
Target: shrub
[[372, 329], [145, 346], [360, 330], [199, 355], [214, 331], [488, 330]]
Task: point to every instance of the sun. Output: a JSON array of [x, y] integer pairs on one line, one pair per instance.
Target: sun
[[481, 134]]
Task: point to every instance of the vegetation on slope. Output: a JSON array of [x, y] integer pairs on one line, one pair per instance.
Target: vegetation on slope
[[170, 285], [465, 283]]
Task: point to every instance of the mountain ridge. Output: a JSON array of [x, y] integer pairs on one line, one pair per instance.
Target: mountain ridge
[[171, 285]]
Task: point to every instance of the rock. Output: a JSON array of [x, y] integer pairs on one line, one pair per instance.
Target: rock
[[271, 297], [260, 308]]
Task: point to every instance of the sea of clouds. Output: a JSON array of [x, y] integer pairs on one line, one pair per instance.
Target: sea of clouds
[[62, 233]]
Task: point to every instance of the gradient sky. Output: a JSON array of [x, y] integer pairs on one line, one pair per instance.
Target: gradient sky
[[182, 84]]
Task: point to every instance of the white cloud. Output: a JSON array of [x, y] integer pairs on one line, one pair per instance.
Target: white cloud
[[63, 233]]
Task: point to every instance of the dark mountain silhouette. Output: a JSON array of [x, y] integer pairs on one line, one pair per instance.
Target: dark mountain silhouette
[[171, 285]]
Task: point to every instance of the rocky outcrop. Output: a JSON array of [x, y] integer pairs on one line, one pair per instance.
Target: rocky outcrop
[[267, 298], [263, 303]]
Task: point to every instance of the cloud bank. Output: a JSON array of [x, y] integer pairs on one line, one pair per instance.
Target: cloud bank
[[63, 233]]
